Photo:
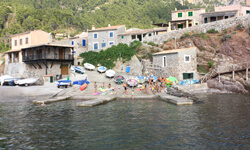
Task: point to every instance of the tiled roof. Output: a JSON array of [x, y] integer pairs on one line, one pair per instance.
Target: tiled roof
[[173, 51], [13, 50], [107, 28]]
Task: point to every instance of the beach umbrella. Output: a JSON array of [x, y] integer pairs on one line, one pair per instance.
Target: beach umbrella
[[172, 79]]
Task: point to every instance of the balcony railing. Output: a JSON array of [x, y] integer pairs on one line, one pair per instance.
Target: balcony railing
[[47, 56]]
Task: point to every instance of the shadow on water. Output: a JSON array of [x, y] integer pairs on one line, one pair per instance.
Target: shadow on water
[[222, 121]]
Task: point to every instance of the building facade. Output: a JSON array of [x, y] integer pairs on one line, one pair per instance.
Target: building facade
[[103, 38], [182, 63], [185, 18], [32, 56]]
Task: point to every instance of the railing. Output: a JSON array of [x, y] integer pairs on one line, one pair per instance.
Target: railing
[[48, 56]]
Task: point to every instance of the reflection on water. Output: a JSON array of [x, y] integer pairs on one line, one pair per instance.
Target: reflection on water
[[222, 121]]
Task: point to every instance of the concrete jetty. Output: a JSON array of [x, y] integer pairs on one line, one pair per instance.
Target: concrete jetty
[[56, 99], [174, 99], [97, 101]]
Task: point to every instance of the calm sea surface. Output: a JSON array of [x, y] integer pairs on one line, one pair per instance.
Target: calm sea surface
[[220, 122]]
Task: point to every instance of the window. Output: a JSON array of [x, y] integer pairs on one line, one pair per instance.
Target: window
[[179, 15], [190, 13], [95, 36], [248, 11], [122, 37], [149, 34], [21, 41], [26, 40], [188, 76], [15, 42], [111, 43], [103, 45], [72, 42], [180, 26], [226, 17], [95, 46], [187, 58], [196, 23], [133, 37], [111, 34], [48, 50]]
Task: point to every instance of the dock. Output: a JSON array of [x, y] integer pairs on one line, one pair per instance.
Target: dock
[[97, 101], [51, 100], [174, 99]]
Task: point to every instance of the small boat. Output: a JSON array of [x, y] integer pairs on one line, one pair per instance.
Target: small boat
[[119, 78], [84, 86], [79, 70], [152, 76], [110, 73], [64, 83], [26, 82], [131, 81], [141, 79], [89, 66], [101, 69], [8, 79]]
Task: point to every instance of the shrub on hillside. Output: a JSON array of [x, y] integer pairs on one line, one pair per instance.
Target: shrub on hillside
[[151, 43], [210, 64], [212, 31]]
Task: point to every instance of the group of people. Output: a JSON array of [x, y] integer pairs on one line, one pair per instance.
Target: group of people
[[103, 87]]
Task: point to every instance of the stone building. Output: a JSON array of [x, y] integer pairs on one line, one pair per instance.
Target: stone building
[[182, 63], [103, 38], [225, 12], [32, 56], [185, 18]]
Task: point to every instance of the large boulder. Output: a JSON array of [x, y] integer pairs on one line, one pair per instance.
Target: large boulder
[[226, 85]]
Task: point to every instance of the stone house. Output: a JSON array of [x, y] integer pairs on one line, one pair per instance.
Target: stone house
[[225, 12], [182, 63], [32, 56], [103, 38], [133, 34], [185, 18]]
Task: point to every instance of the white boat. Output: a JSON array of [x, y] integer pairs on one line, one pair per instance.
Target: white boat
[[89, 66], [26, 82], [7, 78], [79, 70], [110, 73], [101, 69]]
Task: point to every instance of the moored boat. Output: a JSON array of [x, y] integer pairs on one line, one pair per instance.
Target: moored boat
[[110, 73], [89, 66], [64, 83], [101, 69]]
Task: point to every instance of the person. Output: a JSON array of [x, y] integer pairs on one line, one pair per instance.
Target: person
[[156, 87], [133, 94], [43, 104], [95, 86], [103, 85], [150, 87], [152, 80], [142, 87], [163, 84], [125, 87], [109, 86], [146, 92]]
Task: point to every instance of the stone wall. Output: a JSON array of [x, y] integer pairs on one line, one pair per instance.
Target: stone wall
[[217, 25]]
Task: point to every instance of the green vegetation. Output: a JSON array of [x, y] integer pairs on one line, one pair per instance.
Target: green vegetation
[[202, 69], [240, 27], [152, 44], [108, 57], [226, 37], [75, 16], [210, 63], [212, 31], [4, 48]]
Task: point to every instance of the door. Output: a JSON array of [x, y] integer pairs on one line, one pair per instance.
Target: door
[[84, 43], [164, 61], [60, 53], [64, 70]]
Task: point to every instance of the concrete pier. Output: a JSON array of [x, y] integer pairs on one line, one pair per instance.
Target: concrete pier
[[94, 102], [174, 99], [56, 99]]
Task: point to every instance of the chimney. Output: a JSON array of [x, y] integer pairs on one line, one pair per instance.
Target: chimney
[[109, 25], [175, 9], [93, 27]]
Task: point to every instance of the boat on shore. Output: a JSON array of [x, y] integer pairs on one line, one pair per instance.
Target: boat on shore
[[8, 79], [110, 73], [79, 70], [101, 69], [89, 66], [132, 82], [119, 78], [63, 83], [27, 82]]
